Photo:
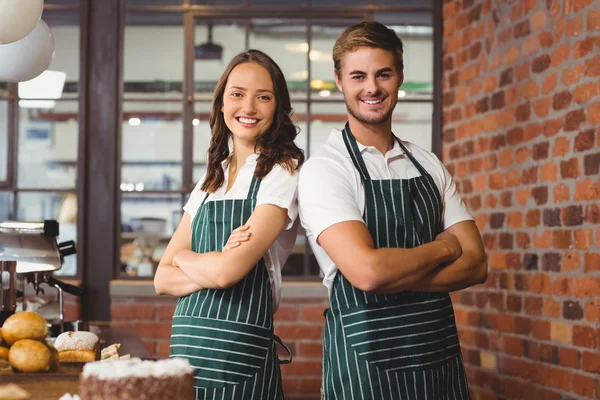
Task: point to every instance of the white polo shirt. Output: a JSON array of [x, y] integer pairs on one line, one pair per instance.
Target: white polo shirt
[[278, 188], [330, 190]]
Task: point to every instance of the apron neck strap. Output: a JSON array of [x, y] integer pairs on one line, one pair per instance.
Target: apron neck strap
[[254, 186], [418, 165], [352, 147]]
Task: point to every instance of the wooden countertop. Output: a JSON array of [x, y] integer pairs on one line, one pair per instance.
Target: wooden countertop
[[53, 385]]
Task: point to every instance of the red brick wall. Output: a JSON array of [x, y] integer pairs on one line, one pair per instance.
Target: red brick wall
[[521, 137], [299, 322]]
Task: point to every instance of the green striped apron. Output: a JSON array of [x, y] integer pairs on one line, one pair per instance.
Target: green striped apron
[[227, 335], [395, 346]]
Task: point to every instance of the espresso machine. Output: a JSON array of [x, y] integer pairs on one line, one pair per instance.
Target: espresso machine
[[29, 254]]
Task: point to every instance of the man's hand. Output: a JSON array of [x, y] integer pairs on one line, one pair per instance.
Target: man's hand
[[237, 237], [452, 243]]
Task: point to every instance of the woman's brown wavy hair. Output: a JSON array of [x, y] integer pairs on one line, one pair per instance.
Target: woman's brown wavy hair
[[276, 145]]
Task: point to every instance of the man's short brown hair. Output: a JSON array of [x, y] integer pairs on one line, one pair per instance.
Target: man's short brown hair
[[367, 34]]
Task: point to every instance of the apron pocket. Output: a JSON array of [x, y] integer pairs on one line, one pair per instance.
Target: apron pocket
[[221, 352], [403, 335]]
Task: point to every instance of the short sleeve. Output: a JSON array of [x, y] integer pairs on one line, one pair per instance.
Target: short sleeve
[[326, 196], [196, 197], [280, 188], [455, 210]]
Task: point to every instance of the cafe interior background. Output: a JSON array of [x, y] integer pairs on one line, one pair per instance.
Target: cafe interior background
[[113, 136]]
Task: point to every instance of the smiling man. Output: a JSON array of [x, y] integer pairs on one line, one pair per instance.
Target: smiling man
[[392, 238]]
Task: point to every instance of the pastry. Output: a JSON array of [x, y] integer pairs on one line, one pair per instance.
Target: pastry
[[24, 325], [3, 353], [171, 378], [80, 346], [13, 392], [110, 352], [28, 355]]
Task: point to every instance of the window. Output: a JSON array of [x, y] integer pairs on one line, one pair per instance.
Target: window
[[168, 93], [45, 126]]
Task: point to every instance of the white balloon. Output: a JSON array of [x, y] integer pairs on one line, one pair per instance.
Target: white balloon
[[29, 57], [18, 18]]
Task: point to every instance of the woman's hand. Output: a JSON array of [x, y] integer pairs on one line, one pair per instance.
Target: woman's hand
[[237, 237]]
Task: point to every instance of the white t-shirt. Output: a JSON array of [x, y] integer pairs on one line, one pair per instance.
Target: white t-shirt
[[278, 188], [330, 190]]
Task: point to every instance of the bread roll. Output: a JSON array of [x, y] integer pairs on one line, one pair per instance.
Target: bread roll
[[24, 325], [13, 392], [28, 355], [77, 346], [3, 353]]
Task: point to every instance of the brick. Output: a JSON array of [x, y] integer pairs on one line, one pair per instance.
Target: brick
[[594, 110], [541, 107], [574, 26], [552, 127], [546, 39], [522, 196], [593, 20], [163, 349], [313, 314], [592, 311], [592, 67], [530, 176], [548, 353], [560, 331], [584, 336], [583, 385], [538, 21], [513, 345], [590, 361], [573, 215], [310, 349], [541, 283], [154, 330], [580, 4], [549, 172], [302, 368], [515, 136], [561, 194], [592, 260], [588, 286], [165, 313], [585, 190], [560, 55], [551, 217], [561, 147], [287, 313], [572, 310], [542, 241], [570, 168], [488, 360], [583, 239], [585, 140], [571, 262], [551, 308], [532, 219], [498, 100], [533, 130], [561, 239], [540, 194], [530, 89], [514, 303], [541, 329], [560, 100], [530, 262], [310, 385], [573, 75], [534, 305], [521, 29], [127, 312], [574, 119], [561, 286], [298, 331], [585, 92], [583, 47], [551, 262], [591, 164]]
